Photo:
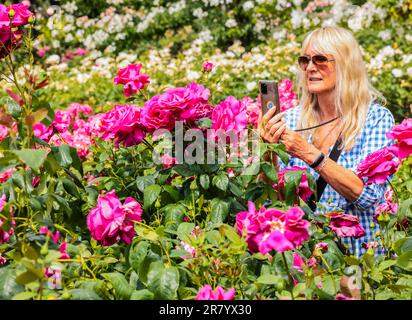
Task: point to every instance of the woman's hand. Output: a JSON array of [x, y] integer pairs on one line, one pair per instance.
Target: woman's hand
[[298, 147], [271, 129]]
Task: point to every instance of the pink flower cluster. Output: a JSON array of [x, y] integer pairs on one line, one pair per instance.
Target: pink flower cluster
[[207, 293], [187, 104], [252, 110], [6, 175], [5, 235], [403, 134], [4, 132], [272, 229], [70, 127], [287, 97], [207, 66], [12, 17], [378, 166], [131, 78], [303, 189], [345, 225], [122, 123], [55, 237], [111, 221], [230, 116]]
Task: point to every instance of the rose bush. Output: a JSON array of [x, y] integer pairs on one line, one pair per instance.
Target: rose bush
[[87, 211]]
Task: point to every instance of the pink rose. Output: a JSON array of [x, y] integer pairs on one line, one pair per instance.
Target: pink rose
[[4, 176], [303, 189], [272, 229], [287, 97], [402, 133], [3, 260], [21, 14], [4, 132], [122, 123], [322, 246], [42, 132], [63, 251], [252, 110], [77, 109], [377, 166], [110, 221], [167, 161], [2, 202], [230, 114], [62, 120], [207, 66], [207, 293], [372, 244], [298, 261], [131, 78], [345, 225]]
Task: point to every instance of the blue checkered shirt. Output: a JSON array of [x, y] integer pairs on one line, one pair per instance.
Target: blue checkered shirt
[[373, 137]]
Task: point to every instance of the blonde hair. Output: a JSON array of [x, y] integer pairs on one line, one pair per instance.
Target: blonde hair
[[353, 90]]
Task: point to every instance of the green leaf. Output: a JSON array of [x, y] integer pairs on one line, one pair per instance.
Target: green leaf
[[144, 181], [13, 108], [163, 281], [137, 253], [83, 294], [270, 172], [221, 182], [405, 261], [174, 214], [24, 296], [233, 187], [184, 230], [271, 279], [174, 193], [33, 158], [150, 195], [122, 288], [70, 188], [26, 277], [8, 285], [386, 264], [219, 210], [204, 181], [143, 294], [63, 156], [403, 245]]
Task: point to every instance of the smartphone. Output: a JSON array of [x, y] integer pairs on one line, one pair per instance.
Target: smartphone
[[269, 95]]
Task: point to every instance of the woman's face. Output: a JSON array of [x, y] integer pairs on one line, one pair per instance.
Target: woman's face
[[320, 78]]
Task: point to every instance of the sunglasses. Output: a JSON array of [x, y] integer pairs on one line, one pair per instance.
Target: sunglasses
[[318, 60]]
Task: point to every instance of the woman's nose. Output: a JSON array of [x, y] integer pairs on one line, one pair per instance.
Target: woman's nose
[[311, 66]]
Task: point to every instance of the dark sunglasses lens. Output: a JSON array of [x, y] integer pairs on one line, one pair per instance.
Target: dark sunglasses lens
[[318, 59], [303, 62]]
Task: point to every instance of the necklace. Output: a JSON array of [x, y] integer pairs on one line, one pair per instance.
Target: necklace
[[319, 125]]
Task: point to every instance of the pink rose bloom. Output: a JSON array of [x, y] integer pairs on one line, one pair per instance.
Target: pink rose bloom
[[207, 66], [154, 117], [298, 261], [2, 202], [54, 237], [167, 161], [377, 166], [229, 115], [62, 120], [345, 225], [272, 229], [303, 189], [131, 78], [341, 296], [80, 52], [4, 235], [252, 110], [77, 109], [110, 221], [35, 181], [42, 132], [312, 262], [4, 176], [21, 16], [4, 132], [402, 133], [287, 97], [94, 124], [207, 293], [63, 251], [122, 123], [41, 52]]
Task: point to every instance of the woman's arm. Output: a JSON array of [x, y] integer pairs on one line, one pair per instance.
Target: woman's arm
[[343, 180]]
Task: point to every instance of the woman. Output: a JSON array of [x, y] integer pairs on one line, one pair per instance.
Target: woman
[[335, 89]]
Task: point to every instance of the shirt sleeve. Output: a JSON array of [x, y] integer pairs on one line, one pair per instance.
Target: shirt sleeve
[[375, 138]]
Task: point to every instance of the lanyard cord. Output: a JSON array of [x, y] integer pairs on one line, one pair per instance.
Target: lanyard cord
[[319, 125]]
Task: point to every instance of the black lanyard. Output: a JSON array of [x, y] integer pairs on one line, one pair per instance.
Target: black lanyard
[[317, 126]]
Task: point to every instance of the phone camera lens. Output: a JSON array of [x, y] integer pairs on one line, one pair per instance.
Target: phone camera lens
[[264, 88]]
